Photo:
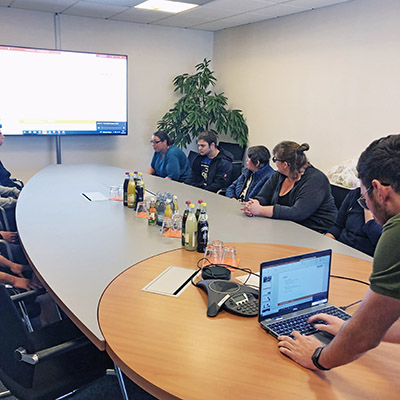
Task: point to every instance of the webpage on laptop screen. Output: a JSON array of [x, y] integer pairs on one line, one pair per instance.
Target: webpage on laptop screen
[[294, 285]]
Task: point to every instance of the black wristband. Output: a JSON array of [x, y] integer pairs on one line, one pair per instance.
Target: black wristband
[[315, 359]]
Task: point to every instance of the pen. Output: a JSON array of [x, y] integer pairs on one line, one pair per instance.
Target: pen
[[84, 195]]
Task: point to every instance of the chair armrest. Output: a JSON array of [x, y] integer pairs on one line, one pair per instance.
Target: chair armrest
[[5, 219], [20, 354], [26, 295]]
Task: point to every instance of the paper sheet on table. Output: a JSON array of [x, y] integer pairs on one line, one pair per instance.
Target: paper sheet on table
[[253, 280], [94, 196], [172, 281]]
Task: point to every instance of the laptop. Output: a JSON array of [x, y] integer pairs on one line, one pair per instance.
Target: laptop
[[292, 289]]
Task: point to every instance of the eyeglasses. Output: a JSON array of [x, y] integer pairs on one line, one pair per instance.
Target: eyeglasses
[[362, 200], [274, 159], [155, 141]]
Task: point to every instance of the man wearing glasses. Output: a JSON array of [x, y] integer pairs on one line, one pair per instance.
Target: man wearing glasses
[[377, 318]]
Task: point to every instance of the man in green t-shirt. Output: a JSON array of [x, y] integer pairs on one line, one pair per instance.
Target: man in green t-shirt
[[377, 318]]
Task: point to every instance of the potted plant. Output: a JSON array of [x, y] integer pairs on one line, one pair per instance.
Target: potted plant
[[200, 109]]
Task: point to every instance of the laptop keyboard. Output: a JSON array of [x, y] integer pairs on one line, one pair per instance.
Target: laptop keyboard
[[300, 324]]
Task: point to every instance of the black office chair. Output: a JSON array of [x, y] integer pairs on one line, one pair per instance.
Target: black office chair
[[339, 193], [46, 363], [238, 154]]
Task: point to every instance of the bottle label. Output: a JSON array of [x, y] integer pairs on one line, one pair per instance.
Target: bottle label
[[152, 218]]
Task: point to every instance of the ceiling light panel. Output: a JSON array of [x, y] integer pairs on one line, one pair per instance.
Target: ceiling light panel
[[165, 5]]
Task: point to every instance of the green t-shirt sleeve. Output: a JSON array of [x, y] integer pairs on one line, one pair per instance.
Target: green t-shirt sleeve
[[385, 277]]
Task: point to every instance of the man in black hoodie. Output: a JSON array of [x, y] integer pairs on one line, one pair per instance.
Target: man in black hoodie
[[212, 168]]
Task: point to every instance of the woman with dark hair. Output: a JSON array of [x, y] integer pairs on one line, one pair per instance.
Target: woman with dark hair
[[297, 191], [168, 161], [253, 177]]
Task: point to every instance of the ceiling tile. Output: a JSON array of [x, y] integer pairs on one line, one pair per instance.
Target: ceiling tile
[[44, 5], [5, 3], [96, 10], [279, 10], [315, 3], [236, 6], [230, 22], [122, 3]]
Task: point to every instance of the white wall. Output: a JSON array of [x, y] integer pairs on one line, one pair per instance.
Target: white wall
[[155, 56], [329, 77]]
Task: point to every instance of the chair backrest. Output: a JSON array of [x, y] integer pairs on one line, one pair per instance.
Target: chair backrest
[[237, 151], [13, 334], [339, 193]]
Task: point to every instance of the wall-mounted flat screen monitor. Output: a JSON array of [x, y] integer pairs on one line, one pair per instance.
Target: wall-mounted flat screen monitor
[[54, 92]]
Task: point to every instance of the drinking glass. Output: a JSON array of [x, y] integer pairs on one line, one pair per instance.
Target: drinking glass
[[219, 245], [166, 225], [114, 193], [229, 256], [210, 255], [141, 210], [177, 223]]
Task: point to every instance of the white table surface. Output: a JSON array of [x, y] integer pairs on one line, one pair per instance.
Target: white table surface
[[78, 247]]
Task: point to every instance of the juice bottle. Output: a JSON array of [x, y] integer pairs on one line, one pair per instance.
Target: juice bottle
[[131, 191], [184, 218], [202, 229], [168, 209], [139, 190], [126, 181], [152, 219], [191, 230]]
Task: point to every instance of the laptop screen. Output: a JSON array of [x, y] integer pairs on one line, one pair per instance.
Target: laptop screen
[[293, 283]]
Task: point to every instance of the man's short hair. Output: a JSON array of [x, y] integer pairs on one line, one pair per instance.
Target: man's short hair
[[209, 137], [381, 161], [259, 154]]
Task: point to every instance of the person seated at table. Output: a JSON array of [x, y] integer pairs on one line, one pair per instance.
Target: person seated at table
[[212, 168], [5, 175], [253, 177], [355, 226], [297, 191], [16, 275], [169, 161], [8, 200]]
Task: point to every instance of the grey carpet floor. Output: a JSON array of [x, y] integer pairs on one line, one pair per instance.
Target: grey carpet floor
[[105, 388]]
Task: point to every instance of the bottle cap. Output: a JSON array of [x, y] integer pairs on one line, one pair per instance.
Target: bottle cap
[[200, 201], [188, 201], [203, 204], [191, 205]]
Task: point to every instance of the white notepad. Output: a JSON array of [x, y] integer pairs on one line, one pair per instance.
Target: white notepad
[[172, 281]]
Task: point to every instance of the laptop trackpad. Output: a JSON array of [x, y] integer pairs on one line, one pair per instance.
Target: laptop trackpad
[[323, 337]]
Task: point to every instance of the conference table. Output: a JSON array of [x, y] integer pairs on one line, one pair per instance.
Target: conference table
[[173, 350], [78, 247]]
